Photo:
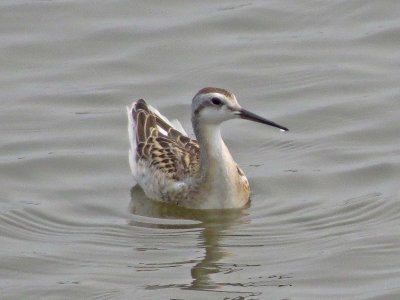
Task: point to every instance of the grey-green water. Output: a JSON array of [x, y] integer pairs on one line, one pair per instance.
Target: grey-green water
[[324, 220]]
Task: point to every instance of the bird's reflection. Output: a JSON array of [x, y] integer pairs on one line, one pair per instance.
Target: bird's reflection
[[213, 224]]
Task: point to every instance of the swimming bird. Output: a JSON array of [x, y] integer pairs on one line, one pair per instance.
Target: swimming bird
[[195, 173]]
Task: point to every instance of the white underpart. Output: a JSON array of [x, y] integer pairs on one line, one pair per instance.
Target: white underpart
[[132, 139]]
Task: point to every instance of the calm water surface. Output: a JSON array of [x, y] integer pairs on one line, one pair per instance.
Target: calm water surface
[[324, 220]]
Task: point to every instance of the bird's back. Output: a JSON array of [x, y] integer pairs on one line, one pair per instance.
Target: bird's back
[[163, 159]]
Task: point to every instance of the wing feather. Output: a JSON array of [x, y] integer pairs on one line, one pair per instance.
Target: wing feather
[[163, 146]]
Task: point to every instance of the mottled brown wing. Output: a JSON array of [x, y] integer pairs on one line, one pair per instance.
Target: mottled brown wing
[[163, 146]]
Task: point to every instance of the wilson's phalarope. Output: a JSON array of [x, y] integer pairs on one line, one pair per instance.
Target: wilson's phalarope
[[172, 167]]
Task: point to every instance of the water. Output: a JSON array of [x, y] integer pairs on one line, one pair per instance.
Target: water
[[323, 222]]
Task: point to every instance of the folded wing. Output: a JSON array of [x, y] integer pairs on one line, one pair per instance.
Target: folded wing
[[155, 140]]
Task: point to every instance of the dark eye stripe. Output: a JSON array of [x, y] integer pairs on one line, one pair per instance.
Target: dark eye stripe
[[216, 101]]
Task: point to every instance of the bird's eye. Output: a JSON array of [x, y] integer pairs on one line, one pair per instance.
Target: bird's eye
[[216, 101]]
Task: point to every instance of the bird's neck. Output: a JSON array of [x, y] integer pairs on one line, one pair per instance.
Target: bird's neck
[[217, 167]]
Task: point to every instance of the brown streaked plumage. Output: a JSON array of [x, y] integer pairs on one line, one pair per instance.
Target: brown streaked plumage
[[172, 167], [164, 147]]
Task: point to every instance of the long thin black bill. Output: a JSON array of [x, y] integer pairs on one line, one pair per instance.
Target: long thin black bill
[[248, 115]]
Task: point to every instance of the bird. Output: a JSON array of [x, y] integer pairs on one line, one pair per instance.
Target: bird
[[199, 173]]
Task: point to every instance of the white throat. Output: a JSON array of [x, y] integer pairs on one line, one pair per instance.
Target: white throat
[[218, 169]]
